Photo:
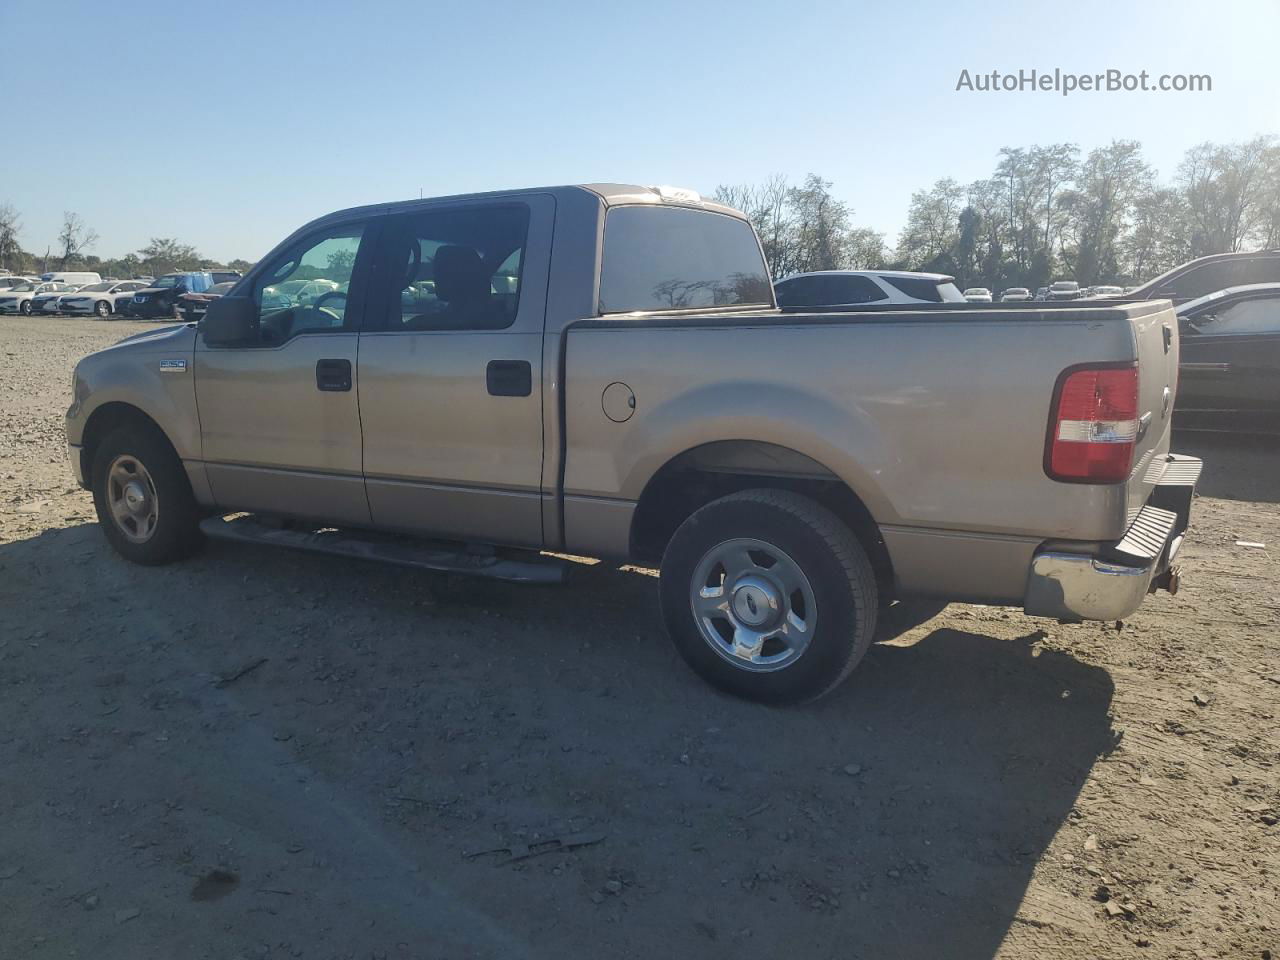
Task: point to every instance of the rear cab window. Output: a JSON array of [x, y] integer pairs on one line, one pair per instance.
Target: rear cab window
[[659, 258]]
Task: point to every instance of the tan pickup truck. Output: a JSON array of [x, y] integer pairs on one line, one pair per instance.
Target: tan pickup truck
[[467, 383]]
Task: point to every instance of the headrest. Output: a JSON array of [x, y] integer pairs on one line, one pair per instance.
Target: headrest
[[460, 275]]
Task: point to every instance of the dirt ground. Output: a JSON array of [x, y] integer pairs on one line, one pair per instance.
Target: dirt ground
[[986, 785]]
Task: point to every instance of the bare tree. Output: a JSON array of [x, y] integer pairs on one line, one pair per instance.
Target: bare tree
[[1052, 168], [932, 223], [1226, 189], [865, 249], [767, 207], [1110, 181], [75, 237], [10, 222]]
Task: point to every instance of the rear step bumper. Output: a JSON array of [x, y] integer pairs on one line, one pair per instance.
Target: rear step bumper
[[424, 555], [1111, 584]]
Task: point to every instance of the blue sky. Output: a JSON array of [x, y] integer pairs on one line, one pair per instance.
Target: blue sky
[[229, 128]]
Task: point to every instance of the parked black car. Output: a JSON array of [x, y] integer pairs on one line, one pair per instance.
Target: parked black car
[[1230, 360], [1198, 278], [164, 297]]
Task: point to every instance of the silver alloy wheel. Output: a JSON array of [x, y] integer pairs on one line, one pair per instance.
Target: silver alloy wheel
[[753, 604], [131, 495]]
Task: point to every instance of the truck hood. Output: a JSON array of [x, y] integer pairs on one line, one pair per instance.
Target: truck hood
[[178, 339]]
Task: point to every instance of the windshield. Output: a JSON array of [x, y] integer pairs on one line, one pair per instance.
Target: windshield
[[172, 280], [98, 287], [23, 287]]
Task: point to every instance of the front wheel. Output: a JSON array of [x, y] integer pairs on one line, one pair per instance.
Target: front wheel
[[143, 498], [769, 596], [102, 309], [26, 308]]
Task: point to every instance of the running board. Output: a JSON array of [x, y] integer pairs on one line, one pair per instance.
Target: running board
[[401, 552]]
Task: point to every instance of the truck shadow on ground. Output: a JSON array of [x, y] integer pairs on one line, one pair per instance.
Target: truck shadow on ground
[[902, 816]]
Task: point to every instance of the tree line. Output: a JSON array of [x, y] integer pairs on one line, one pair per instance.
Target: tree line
[[75, 240], [1045, 213]]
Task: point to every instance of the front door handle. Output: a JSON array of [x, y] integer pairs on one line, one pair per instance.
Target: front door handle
[[509, 378], [333, 375]]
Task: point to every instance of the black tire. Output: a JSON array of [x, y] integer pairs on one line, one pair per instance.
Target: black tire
[[176, 532], [26, 308], [102, 309], [830, 557]]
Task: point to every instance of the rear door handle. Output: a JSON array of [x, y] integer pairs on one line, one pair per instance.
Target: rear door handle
[[333, 375], [509, 378]]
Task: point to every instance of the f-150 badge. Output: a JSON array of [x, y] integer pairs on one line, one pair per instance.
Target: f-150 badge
[[173, 366]]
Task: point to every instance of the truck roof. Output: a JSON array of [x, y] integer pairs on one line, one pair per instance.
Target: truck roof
[[612, 194]]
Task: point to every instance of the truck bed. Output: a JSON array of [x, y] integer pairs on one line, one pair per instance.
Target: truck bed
[[936, 417]]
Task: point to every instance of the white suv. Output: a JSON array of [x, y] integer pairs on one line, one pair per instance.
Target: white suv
[[837, 288]]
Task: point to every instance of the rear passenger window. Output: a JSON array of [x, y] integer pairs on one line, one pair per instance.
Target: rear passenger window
[[1262, 270], [918, 288], [1207, 278], [851, 289], [453, 269]]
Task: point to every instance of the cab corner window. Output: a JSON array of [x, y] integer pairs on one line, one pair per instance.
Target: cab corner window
[[454, 269], [305, 290]]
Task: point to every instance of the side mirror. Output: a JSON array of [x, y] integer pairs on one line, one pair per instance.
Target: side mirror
[[229, 321]]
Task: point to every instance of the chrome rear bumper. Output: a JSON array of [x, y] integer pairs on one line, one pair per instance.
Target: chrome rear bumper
[[1111, 584]]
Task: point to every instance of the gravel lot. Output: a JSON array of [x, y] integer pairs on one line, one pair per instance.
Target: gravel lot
[[985, 785]]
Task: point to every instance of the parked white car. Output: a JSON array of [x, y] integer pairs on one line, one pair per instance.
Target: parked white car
[[1063, 290], [47, 304], [9, 281], [99, 298], [19, 299], [832, 288], [978, 295], [1015, 295], [1104, 290]]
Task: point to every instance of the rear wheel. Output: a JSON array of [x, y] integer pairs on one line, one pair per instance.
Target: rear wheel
[[26, 308], [143, 498], [769, 596], [102, 309]]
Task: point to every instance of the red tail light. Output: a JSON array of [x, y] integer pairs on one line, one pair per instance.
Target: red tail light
[[1094, 425]]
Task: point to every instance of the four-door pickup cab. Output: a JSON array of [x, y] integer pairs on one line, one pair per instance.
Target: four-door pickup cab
[[601, 370]]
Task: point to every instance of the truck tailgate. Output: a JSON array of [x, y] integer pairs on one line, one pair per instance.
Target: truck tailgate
[[1156, 346]]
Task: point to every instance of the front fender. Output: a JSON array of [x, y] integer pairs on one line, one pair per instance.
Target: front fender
[[154, 373]]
